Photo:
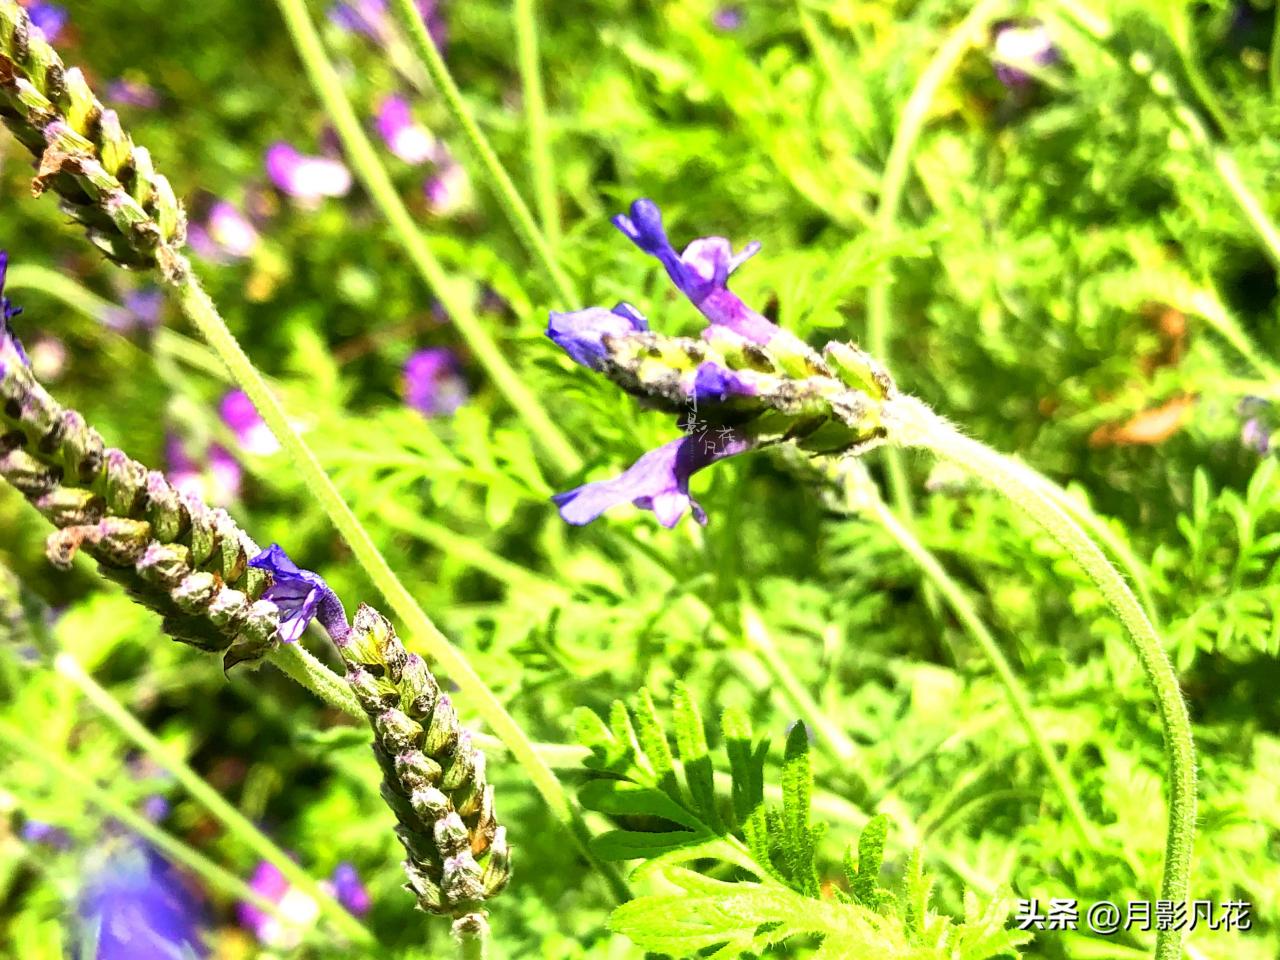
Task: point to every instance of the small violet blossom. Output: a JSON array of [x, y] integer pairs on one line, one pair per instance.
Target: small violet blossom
[[307, 179], [218, 483], [226, 234], [45, 835], [448, 190], [301, 595], [133, 93], [136, 905], [298, 912], [728, 17], [372, 19], [139, 311], [433, 384], [1256, 433], [49, 17], [243, 419], [404, 136], [9, 342], [1020, 49]]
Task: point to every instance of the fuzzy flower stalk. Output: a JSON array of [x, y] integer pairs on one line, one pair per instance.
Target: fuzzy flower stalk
[[105, 182], [746, 384]]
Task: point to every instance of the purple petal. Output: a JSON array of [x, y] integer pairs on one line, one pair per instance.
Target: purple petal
[[49, 17], [716, 384], [351, 893], [242, 417], [433, 384], [658, 481], [581, 333], [306, 178], [405, 137]]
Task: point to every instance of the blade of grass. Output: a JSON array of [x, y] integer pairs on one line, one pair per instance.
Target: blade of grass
[[535, 112]]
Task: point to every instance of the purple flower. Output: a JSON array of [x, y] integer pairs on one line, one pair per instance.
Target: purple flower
[[1020, 49], [9, 342], [49, 17], [242, 417], [449, 189], [581, 333], [155, 808], [218, 483], [135, 906], [432, 382], [717, 384], [225, 234], [301, 595], [701, 272], [728, 17], [297, 911], [308, 179], [658, 481], [405, 137], [45, 835], [349, 891], [140, 310], [1255, 434], [371, 19], [134, 93]]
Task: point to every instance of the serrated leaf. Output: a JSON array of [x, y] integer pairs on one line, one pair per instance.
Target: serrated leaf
[[864, 881], [624, 798], [653, 741], [691, 739], [796, 839]]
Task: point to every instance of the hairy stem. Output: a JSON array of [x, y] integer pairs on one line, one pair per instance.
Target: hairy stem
[[235, 822], [535, 111], [1014, 689], [914, 424], [200, 309], [373, 175], [514, 207], [892, 187]]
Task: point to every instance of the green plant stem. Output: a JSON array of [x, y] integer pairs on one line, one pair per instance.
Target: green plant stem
[[182, 854], [759, 640], [1184, 117], [915, 424], [892, 187], [517, 212], [300, 665], [1014, 689], [373, 175], [200, 309], [1273, 61], [474, 944], [235, 822], [535, 111]]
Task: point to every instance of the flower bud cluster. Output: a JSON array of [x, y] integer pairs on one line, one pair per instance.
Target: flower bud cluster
[[106, 183]]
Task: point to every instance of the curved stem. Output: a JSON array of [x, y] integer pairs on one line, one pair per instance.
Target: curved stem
[[200, 309], [235, 822], [915, 424], [1014, 689], [893, 185], [373, 175], [514, 207], [535, 111]]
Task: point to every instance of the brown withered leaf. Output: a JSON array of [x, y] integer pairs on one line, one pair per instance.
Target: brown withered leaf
[[1147, 428]]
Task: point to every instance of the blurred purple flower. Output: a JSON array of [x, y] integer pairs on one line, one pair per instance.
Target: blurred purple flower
[[218, 483], [448, 190], [49, 17], [701, 272], [297, 911], [307, 179], [48, 357], [140, 310], [372, 19], [728, 17], [225, 234], [349, 891], [45, 835], [301, 595], [433, 384], [9, 342], [240, 415], [1019, 49], [405, 137], [658, 481], [134, 93], [155, 808], [1256, 431], [136, 906]]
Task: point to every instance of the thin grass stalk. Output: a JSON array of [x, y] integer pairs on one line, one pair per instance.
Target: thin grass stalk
[[897, 169], [1015, 690], [217, 876], [535, 111], [917, 425], [513, 206], [197, 305], [236, 823], [372, 173]]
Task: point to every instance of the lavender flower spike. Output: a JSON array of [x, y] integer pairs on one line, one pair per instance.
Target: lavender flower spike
[[301, 595], [658, 481], [701, 272]]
